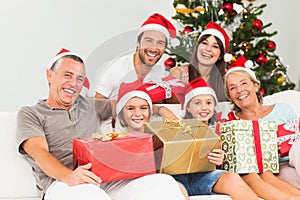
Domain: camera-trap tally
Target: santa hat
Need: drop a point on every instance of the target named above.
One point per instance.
(65, 52)
(241, 64)
(196, 87)
(212, 28)
(130, 90)
(158, 22)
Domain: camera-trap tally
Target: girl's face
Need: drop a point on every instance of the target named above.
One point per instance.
(202, 107)
(208, 51)
(241, 89)
(136, 112)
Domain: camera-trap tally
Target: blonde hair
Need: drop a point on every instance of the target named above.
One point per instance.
(254, 80)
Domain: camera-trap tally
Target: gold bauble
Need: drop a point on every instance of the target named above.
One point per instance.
(280, 79)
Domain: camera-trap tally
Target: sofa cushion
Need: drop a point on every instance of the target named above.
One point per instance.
(16, 174)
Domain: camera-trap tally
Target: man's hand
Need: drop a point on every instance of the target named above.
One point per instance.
(82, 174)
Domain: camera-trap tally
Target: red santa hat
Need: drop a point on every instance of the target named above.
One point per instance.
(158, 22)
(241, 64)
(196, 87)
(65, 52)
(130, 90)
(212, 28)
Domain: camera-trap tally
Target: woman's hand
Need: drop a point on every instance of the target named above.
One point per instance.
(216, 156)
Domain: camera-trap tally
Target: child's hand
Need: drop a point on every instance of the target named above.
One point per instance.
(216, 156)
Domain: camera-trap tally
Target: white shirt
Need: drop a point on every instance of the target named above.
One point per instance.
(122, 70)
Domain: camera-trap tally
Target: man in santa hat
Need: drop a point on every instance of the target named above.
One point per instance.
(45, 132)
(153, 37)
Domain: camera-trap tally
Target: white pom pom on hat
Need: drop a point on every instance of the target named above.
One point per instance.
(212, 28)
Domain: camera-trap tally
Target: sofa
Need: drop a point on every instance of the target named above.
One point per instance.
(17, 181)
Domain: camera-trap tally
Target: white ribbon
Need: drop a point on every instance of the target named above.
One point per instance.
(293, 126)
(166, 85)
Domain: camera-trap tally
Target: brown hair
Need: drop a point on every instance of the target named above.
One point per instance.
(217, 72)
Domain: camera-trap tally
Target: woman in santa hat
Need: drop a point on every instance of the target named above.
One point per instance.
(208, 59)
(243, 90)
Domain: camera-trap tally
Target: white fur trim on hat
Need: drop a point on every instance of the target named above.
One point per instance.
(197, 91)
(155, 27)
(216, 33)
(56, 58)
(136, 93)
(248, 70)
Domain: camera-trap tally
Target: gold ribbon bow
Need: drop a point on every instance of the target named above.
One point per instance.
(108, 136)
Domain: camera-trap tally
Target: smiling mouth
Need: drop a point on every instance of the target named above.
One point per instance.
(205, 55)
(69, 91)
(137, 120)
(203, 114)
(242, 97)
(151, 54)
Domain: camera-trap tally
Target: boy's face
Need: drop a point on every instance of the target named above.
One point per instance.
(202, 107)
(136, 112)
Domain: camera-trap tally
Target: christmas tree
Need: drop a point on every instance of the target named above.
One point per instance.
(247, 33)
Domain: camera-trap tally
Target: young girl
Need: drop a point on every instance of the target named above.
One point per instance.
(200, 101)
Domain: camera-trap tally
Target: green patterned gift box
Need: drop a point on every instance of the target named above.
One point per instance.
(250, 146)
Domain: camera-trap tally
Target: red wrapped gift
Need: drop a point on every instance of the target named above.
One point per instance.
(120, 158)
(287, 134)
(164, 88)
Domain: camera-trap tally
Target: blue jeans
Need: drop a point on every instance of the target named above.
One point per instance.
(200, 183)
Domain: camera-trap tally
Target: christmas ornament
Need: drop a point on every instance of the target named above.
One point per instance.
(261, 59)
(228, 7)
(169, 63)
(271, 45)
(262, 91)
(281, 79)
(257, 24)
(188, 29)
(180, 8)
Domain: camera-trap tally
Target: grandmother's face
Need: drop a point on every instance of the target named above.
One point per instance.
(241, 89)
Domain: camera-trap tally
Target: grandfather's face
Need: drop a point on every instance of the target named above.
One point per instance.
(65, 83)
(151, 47)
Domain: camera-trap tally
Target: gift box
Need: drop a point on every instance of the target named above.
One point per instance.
(116, 158)
(287, 134)
(164, 88)
(250, 146)
(182, 146)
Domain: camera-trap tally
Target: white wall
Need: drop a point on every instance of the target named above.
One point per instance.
(33, 31)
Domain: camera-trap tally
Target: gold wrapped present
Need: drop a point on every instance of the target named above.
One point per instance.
(181, 146)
